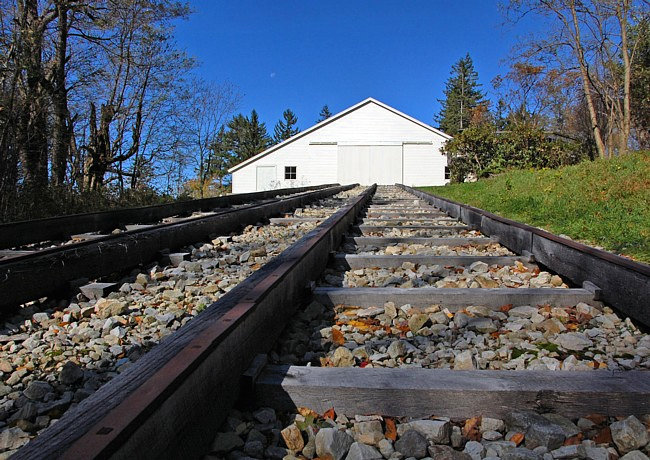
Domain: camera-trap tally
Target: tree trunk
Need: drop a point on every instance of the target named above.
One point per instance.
(598, 137)
(61, 131)
(621, 13)
(32, 130)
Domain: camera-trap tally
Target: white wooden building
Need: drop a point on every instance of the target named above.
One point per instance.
(367, 143)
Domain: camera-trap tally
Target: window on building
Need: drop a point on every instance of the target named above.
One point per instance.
(290, 172)
(447, 173)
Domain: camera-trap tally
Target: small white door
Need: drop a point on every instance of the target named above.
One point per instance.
(266, 178)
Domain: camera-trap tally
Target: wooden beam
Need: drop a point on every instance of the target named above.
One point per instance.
(294, 220)
(378, 228)
(387, 241)
(396, 221)
(453, 298)
(419, 393)
(354, 261)
(405, 215)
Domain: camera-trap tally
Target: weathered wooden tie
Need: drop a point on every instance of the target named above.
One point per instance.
(421, 393)
(354, 261)
(453, 298)
(380, 241)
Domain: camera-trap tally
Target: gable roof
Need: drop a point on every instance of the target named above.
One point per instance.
(331, 119)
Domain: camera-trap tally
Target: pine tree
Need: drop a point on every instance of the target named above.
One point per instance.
(247, 137)
(324, 114)
(285, 129)
(462, 94)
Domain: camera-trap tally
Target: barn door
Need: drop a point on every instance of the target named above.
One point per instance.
(266, 178)
(385, 164)
(370, 164)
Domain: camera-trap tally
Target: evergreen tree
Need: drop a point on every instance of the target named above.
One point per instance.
(462, 94)
(324, 114)
(285, 129)
(246, 137)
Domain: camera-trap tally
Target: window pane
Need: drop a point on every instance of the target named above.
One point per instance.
(290, 172)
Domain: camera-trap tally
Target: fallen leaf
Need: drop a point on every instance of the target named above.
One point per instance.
(471, 429)
(517, 438)
(363, 364)
(330, 414)
(391, 429)
(574, 440)
(337, 337)
(604, 436)
(306, 412)
(505, 308)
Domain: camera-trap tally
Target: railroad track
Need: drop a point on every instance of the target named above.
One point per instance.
(58, 266)
(391, 331)
(19, 238)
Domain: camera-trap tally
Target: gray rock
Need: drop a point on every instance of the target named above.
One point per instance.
(474, 449)
(492, 424)
(368, 432)
(456, 438)
(575, 341)
(596, 453)
(28, 412)
(464, 361)
(629, 434)
(333, 442)
(37, 390)
(265, 415)
(70, 373)
(634, 455)
(412, 444)
(447, 453)
(360, 451)
(13, 438)
(570, 429)
(386, 447)
(566, 452)
(275, 452)
(491, 435)
(226, 442)
(539, 431)
(436, 431)
(521, 453)
(254, 448)
(396, 349)
(498, 448)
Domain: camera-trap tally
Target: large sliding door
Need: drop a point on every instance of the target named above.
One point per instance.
(369, 164)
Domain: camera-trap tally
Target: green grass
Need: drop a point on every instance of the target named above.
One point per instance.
(602, 203)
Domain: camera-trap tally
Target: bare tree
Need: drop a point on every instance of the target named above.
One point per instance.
(208, 108)
(590, 37)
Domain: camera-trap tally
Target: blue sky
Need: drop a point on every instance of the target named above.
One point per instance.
(304, 54)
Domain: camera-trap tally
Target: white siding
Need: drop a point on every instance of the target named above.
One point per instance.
(423, 165)
(315, 154)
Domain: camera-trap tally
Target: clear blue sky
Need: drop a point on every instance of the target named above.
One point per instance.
(304, 54)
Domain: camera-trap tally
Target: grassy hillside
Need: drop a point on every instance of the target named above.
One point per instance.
(603, 203)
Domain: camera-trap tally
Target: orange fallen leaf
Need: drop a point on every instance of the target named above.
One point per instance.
(306, 412)
(391, 429)
(604, 436)
(471, 429)
(330, 414)
(574, 440)
(517, 438)
(505, 308)
(337, 337)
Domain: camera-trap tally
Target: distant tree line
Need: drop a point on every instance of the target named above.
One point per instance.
(581, 89)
